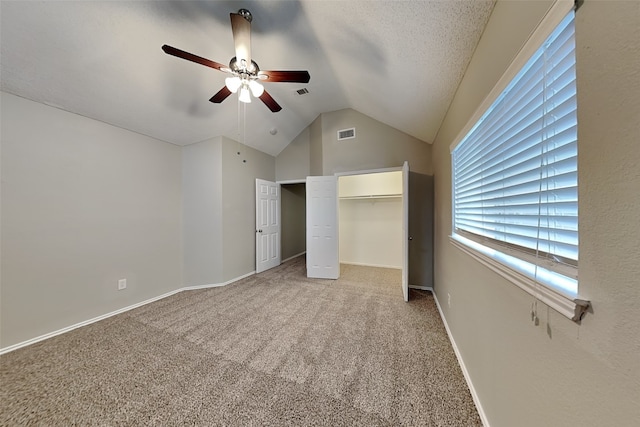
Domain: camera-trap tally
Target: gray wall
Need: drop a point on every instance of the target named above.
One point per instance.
(239, 173)
(558, 373)
(421, 229)
(316, 150)
(294, 162)
(294, 214)
(219, 209)
(83, 205)
(202, 212)
(375, 146)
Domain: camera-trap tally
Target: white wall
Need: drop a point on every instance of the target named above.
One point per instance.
(371, 232)
(370, 184)
(558, 373)
(84, 204)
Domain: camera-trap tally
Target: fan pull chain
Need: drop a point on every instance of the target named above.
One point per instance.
(543, 170)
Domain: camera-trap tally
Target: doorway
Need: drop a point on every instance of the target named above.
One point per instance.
(294, 220)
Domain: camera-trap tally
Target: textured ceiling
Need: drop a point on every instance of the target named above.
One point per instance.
(399, 62)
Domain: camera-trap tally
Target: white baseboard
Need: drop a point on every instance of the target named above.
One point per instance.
(364, 264)
(113, 313)
(467, 377)
(292, 257)
(84, 323)
(217, 285)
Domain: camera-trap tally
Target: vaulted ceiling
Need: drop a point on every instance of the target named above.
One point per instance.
(399, 62)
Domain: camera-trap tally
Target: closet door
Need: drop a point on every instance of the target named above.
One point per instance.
(405, 231)
(420, 230)
(322, 227)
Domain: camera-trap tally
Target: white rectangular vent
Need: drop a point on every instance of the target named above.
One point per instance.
(302, 91)
(346, 134)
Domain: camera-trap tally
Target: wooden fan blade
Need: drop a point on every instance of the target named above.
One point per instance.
(221, 95)
(285, 76)
(193, 58)
(270, 102)
(241, 29)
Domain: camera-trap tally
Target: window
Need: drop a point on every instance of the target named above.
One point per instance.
(515, 173)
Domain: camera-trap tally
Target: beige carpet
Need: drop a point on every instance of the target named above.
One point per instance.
(273, 349)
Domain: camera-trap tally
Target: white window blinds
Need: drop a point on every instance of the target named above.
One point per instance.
(515, 183)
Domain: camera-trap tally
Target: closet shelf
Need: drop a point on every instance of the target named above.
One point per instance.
(372, 196)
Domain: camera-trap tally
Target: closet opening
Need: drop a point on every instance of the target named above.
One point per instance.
(384, 219)
(370, 219)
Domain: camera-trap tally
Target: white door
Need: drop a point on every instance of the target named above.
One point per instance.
(267, 225)
(405, 231)
(322, 227)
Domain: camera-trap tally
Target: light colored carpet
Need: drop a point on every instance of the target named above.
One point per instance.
(273, 349)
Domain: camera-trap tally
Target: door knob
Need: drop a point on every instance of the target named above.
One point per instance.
(410, 238)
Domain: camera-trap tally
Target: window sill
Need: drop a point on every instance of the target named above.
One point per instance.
(568, 306)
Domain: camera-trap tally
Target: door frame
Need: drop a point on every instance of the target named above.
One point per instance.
(293, 181)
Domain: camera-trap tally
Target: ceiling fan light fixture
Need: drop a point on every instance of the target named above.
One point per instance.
(233, 83)
(244, 94)
(256, 88)
(245, 71)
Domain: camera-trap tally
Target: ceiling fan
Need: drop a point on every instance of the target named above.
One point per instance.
(246, 75)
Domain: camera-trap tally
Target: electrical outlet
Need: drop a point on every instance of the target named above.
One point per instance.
(122, 284)
(448, 299)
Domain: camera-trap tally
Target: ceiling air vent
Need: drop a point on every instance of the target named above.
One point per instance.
(346, 134)
(302, 91)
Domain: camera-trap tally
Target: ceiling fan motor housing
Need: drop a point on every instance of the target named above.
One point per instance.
(242, 68)
(245, 14)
